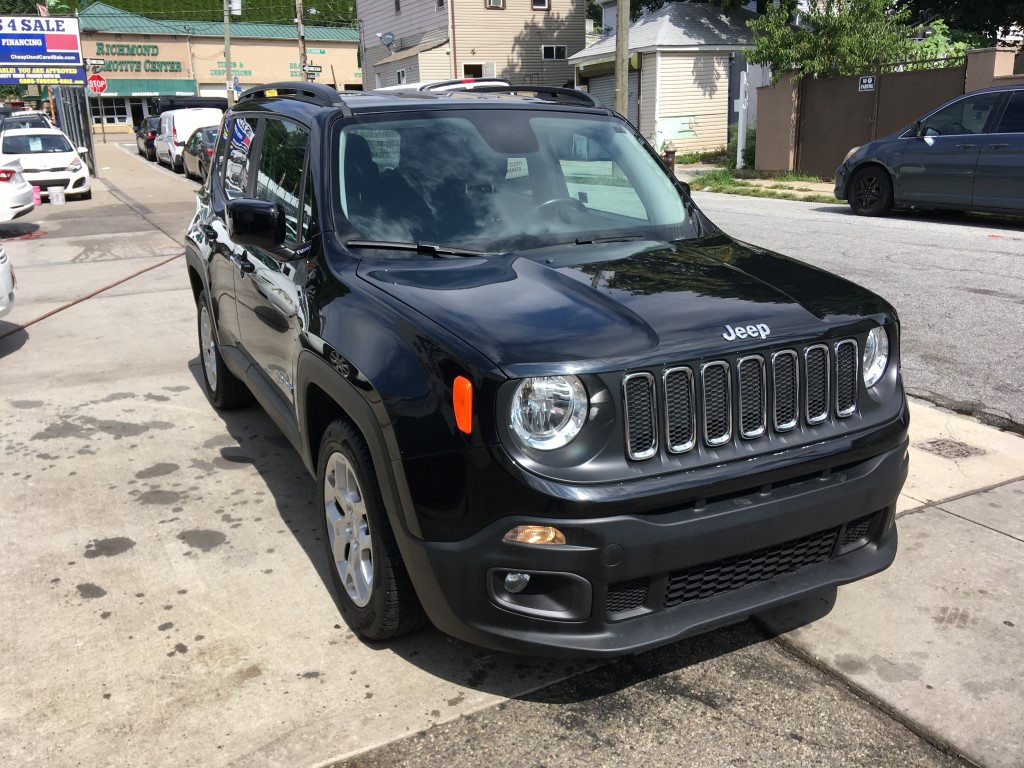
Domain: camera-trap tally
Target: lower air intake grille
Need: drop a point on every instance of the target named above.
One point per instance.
(856, 530)
(627, 595)
(731, 573)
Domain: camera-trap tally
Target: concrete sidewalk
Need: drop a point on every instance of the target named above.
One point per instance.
(690, 172)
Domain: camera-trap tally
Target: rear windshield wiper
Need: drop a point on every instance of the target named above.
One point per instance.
(619, 239)
(431, 249)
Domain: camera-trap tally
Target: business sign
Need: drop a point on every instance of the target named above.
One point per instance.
(40, 50)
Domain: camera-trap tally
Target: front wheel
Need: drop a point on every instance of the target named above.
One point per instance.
(223, 389)
(871, 192)
(375, 593)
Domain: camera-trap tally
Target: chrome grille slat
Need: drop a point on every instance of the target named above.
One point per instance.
(680, 410)
(716, 388)
(816, 383)
(785, 390)
(846, 378)
(641, 419)
(752, 396)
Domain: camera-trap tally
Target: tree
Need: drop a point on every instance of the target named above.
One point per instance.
(835, 37)
(978, 17)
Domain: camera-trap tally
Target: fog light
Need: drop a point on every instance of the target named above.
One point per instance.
(535, 534)
(516, 582)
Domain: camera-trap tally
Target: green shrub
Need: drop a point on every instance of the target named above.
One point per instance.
(748, 150)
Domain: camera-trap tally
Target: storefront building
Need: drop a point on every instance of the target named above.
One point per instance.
(149, 57)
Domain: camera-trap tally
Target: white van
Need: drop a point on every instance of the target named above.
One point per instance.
(176, 125)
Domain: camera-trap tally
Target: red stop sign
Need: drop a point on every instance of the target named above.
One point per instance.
(96, 83)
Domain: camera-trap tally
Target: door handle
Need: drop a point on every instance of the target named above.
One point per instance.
(245, 266)
(966, 146)
(998, 146)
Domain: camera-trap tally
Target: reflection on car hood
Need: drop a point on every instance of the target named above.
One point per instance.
(589, 306)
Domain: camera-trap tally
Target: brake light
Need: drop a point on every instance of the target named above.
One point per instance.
(209, 151)
(174, 135)
(6, 174)
(150, 135)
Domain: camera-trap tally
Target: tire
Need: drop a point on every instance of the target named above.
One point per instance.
(374, 592)
(870, 191)
(223, 389)
(177, 167)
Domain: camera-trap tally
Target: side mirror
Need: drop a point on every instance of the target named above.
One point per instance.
(83, 150)
(686, 188)
(915, 129)
(257, 224)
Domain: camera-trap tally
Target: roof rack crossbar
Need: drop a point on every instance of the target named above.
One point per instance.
(475, 82)
(314, 93)
(545, 90)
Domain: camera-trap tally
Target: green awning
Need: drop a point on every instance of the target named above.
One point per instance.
(127, 86)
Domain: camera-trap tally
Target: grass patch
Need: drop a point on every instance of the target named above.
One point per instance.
(724, 181)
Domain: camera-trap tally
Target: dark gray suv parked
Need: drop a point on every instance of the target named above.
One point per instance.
(966, 155)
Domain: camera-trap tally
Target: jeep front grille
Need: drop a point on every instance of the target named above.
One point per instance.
(759, 393)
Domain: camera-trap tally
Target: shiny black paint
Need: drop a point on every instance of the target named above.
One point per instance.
(378, 337)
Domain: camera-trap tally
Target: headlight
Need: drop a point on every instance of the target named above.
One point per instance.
(549, 411)
(875, 357)
(76, 166)
(850, 154)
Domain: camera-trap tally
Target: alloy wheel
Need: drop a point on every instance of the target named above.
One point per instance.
(348, 529)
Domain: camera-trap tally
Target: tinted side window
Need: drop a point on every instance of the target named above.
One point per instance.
(279, 176)
(966, 116)
(1013, 118)
(236, 171)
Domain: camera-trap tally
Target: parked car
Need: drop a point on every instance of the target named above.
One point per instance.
(8, 281)
(32, 119)
(15, 192)
(145, 135)
(966, 155)
(47, 160)
(176, 126)
(547, 403)
(198, 151)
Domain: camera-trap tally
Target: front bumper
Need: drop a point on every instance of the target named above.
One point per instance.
(842, 177)
(73, 183)
(627, 583)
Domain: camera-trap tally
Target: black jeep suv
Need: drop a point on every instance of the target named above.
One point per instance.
(549, 406)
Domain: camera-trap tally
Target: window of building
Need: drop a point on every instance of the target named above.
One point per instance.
(440, 5)
(279, 172)
(398, 7)
(400, 74)
(553, 52)
(540, 5)
(113, 111)
(496, 5)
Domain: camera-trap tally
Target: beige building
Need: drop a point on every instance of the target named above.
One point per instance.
(144, 58)
(525, 41)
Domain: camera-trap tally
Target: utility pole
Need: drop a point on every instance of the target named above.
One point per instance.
(302, 37)
(622, 57)
(228, 80)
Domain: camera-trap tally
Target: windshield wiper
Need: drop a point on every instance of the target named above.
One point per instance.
(619, 239)
(431, 249)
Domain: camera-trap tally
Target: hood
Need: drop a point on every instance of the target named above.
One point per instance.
(605, 306)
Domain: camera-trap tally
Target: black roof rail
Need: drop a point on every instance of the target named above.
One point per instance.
(314, 93)
(551, 92)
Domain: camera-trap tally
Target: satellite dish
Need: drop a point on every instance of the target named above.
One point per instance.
(387, 38)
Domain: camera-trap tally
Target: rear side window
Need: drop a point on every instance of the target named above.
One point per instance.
(240, 133)
(1013, 118)
(279, 175)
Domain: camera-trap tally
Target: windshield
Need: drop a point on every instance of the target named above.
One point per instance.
(35, 144)
(500, 180)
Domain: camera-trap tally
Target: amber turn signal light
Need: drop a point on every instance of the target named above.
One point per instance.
(535, 534)
(462, 401)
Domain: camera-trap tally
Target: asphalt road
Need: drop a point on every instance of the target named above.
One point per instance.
(956, 281)
(165, 581)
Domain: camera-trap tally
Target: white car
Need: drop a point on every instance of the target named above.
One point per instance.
(47, 160)
(7, 283)
(461, 84)
(15, 192)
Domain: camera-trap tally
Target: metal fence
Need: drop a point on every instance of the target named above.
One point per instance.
(74, 118)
